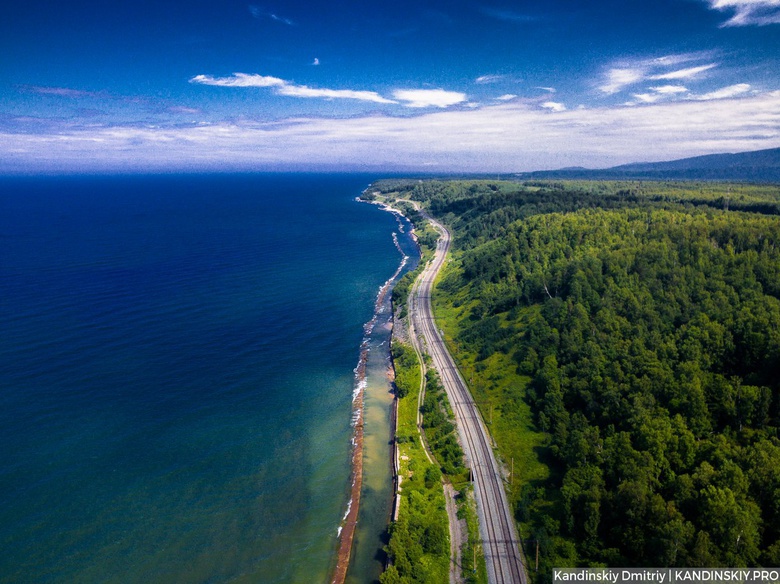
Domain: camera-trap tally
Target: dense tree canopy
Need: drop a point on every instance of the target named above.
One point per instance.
(647, 317)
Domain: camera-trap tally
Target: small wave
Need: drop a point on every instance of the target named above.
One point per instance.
(349, 508)
(343, 519)
(360, 386)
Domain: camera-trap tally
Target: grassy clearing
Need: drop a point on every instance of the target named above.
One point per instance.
(419, 541)
(499, 392)
(474, 568)
(417, 548)
(419, 545)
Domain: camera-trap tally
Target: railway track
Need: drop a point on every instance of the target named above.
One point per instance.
(500, 541)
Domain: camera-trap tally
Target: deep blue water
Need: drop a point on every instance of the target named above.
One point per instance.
(176, 373)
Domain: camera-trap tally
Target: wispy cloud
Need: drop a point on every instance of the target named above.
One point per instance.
(748, 12)
(413, 98)
(61, 91)
(180, 109)
(508, 15)
(507, 97)
(507, 137)
(259, 13)
(486, 79)
(239, 80)
(726, 92)
(101, 96)
(627, 73)
(282, 87)
(656, 94)
(670, 89)
(618, 78)
(644, 98)
(306, 91)
(689, 73)
(419, 98)
(677, 59)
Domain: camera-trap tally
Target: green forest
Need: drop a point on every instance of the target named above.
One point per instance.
(637, 327)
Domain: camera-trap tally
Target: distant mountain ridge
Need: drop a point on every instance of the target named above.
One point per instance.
(756, 166)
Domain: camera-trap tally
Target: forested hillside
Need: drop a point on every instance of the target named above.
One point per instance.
(756, 166)
(641, 322)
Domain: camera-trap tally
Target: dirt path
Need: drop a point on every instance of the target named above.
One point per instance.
(457, 532)
(501, 543)
(457, 528)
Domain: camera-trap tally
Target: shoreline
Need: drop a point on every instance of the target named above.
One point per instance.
(349, 522)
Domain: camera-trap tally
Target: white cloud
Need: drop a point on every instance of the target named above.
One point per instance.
(670, 89)
(429, 97)
(506, 97)
(646, 98)
(286, 88)
(485, 79)
(547, 89)
(239, 80)
(657, 94)
(415, 98)
(748, 12)
(315, 62)
(305, 91)
(554, 106)
(621, 77)
(726, 92)
(632, 72)
(680, 58)
(508, 137)
(689, 73)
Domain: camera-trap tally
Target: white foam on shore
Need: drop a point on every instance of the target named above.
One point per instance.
(359, 387)
(349, 508)
(380, 308)
(361, 381)
(340, 528)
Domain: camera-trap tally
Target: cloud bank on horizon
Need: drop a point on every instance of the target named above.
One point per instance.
(434, 86)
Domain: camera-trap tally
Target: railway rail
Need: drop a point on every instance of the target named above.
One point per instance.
(498, 532)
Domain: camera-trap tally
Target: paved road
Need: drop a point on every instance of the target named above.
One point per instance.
(496, 526)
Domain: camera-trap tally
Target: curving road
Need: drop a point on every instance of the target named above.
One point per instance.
(497, 529)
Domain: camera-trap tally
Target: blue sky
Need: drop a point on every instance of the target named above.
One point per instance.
(439, 86)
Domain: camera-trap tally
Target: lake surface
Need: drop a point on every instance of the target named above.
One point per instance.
(177, 364)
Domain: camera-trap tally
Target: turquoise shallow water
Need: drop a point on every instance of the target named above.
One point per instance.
(368, 556)
(176, 373)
